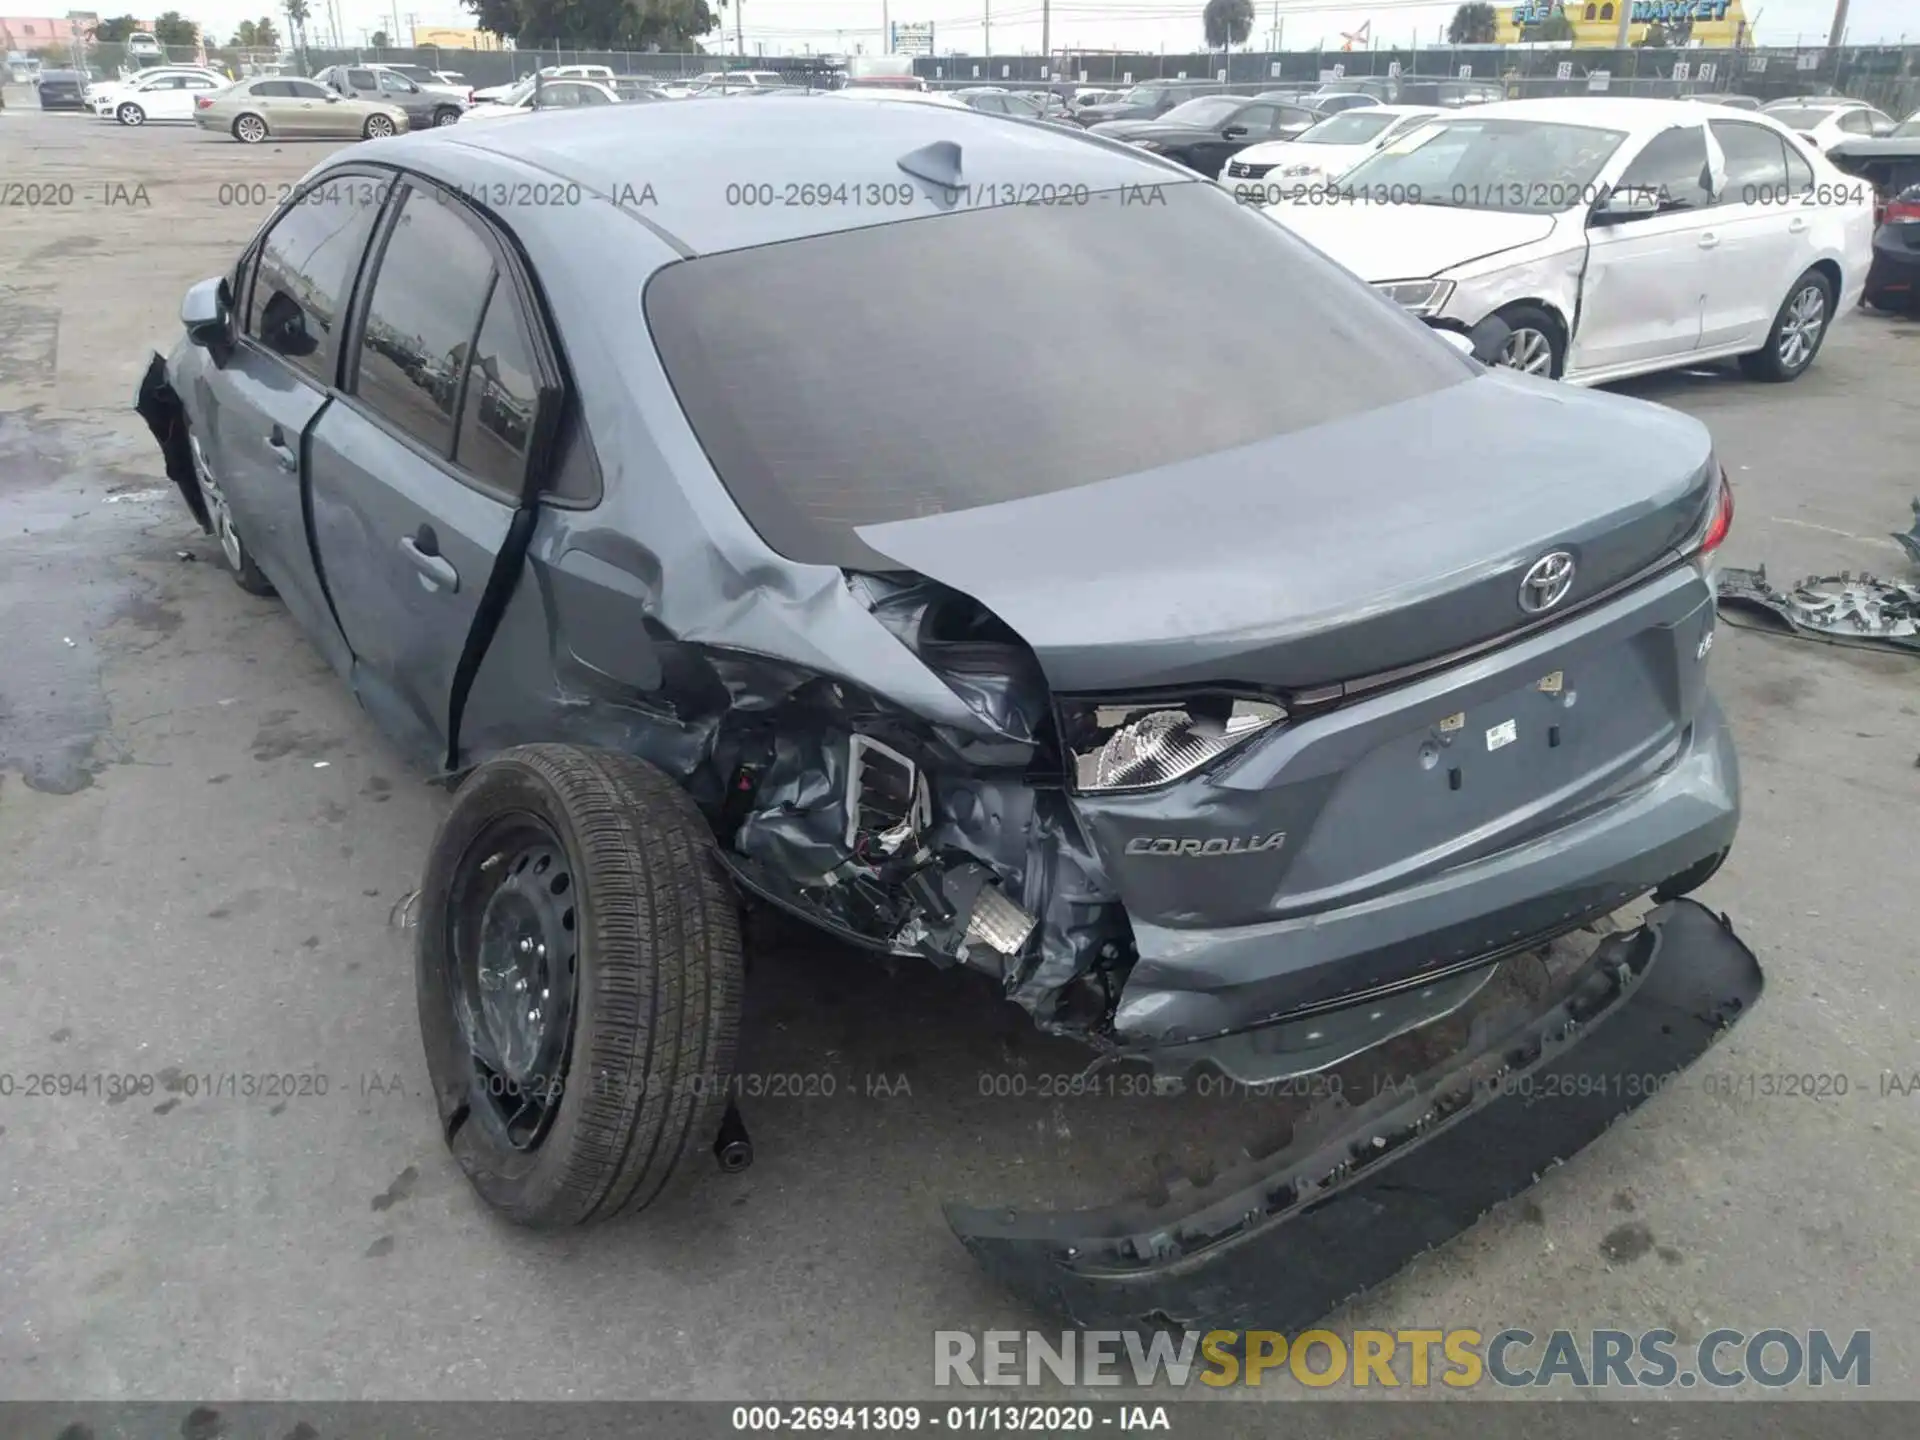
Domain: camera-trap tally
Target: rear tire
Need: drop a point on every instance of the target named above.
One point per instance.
(250, 129)
(378, 127)
(1537, 346)
(555, 853)
(1798, 330)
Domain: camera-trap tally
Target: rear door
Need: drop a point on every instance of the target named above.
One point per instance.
(301, 107)
(1761, 228)
(254, 414)
(417, 469)
(1645, 287)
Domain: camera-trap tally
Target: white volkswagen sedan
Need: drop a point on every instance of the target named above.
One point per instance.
(1611, 236)
(1329, 149)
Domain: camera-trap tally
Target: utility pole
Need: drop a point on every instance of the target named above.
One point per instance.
(393, 13)
(1046, 32)
(1839, 31)
(886, 29)
(1626, 21)
(739, 34)
(986, 47)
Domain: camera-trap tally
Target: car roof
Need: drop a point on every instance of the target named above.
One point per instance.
(680, 147)
(1617, 112)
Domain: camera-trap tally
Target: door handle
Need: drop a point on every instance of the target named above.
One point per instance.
(1709, 240)
(282, 452)
(436, 571)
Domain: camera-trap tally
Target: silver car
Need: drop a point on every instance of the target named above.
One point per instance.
(287, 107)
(1237, 705)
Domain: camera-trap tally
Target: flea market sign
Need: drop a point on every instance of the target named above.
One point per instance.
(1645, 12)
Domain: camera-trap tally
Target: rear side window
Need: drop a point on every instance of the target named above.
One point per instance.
(496, 419)
(435, 275)
(1799, 172)
(303, 89)
(270, 88)
(1756, 163)
(306, 267)
(821, 415)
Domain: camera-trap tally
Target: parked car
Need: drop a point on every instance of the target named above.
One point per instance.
(103, 96)
(729, 82)
(601, 73)
(1613, 236)
(162, 97)
(547, 95)
(1732, 102)
(425, 108)
(1891, 164)
(1204, 134)
(1145, 102)
(1328, 149)
(693, 616)
(287, 107)
(1825, 122)
(1332, 102)
(437, 81)
(994, 100)
(62, 90)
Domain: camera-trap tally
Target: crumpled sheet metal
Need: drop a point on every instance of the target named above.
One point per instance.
(1909, 540)
(1844, 609)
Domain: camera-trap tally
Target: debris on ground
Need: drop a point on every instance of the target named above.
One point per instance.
(1910, 539)
(1844, 609)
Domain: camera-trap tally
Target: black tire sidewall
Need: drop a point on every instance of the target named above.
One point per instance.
(1532, 317)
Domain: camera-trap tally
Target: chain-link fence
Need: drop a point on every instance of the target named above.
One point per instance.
(1887, 76)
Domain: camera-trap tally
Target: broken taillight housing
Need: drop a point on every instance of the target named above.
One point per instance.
(1120, 747)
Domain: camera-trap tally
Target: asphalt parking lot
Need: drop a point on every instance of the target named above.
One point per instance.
(203, 842)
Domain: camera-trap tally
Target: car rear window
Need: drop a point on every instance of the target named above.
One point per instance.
(1800, 117)
(940, 364)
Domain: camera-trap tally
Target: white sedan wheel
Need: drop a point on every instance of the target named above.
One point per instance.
(130, 114)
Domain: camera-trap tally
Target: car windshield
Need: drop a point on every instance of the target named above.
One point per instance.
(1145, 95)
(1207, 110)
(821, 418)
(520, 93)
(1802, 117)
(1354, 127)
(1519, 166)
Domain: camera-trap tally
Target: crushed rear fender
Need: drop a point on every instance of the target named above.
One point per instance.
(166, 417)
(1280, 1243)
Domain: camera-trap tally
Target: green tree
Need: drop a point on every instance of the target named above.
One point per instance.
(265, 34)
(379, 40)
(173, 28)
(1555, 27)
(244, 36)
(297, 17)
(115, 31)
(1472, 24)
(1654, 37)
(1227, 22)
(597, 24)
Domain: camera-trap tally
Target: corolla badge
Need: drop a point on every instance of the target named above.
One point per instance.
(1207, 849)
(1546, 582)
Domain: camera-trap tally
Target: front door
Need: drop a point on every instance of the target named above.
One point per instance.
(1647, 274)
(256, 412)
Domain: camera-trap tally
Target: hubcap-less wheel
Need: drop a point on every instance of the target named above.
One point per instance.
(1529, 351)
(377, 126)
(132, 115)
(251, 129)
(1800, 331)
(512, 936)
(217, 509)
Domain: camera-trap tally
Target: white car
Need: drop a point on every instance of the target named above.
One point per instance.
(161, 97)
(101, 95)
(724, 82)
(1612, 236)
(1330, 148)
(523, 99)
(494, 93)
(1826, 121)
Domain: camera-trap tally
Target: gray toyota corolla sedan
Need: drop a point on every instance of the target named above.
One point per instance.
(736, 528)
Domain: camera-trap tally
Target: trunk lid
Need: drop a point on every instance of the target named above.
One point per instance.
(1381, 540)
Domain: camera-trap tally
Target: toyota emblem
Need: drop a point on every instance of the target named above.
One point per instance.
(1546, 582)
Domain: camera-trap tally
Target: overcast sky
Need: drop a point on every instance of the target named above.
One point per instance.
(825, 25)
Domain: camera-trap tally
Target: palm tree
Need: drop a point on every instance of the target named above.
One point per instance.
(1227, 22)
(1473, 24)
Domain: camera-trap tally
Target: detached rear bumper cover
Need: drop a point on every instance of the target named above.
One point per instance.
(1344, 1209)
(158, 405)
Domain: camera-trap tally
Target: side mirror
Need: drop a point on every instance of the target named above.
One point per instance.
(1626, 204)
(207, 314)
(1234, 132)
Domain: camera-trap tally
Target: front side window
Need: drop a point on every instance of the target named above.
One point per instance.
(1856, 122)
(398, 85)
(360, 79)
(1673, 168)
(306, 267)
(435, 274)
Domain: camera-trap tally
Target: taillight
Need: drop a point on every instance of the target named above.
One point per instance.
(1719, 519)
(470, 97)
(1904, 206)
(201, 102)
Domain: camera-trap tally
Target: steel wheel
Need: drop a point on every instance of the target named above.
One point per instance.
(512, 934)
(1529, 351)
(378, 126)
(131, 114)
(1806, 317)
(250, 129)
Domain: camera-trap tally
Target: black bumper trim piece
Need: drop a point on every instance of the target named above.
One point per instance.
(1407, 1170)
(158, 405)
